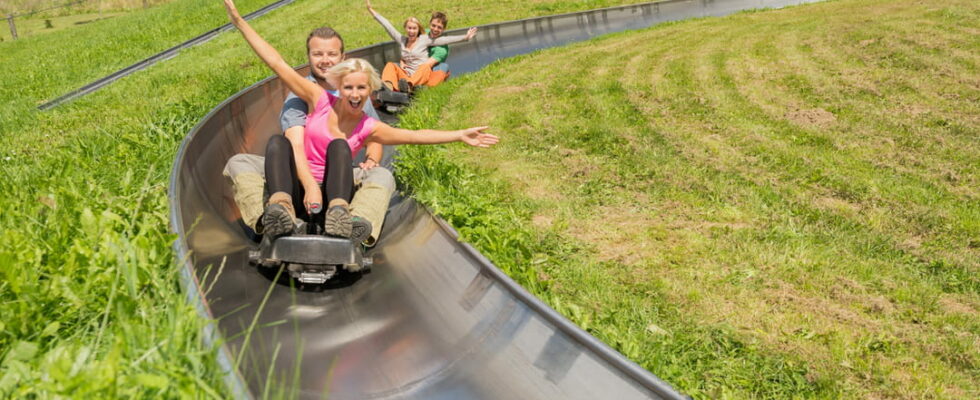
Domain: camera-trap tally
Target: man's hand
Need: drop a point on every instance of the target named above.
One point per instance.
(368, 164)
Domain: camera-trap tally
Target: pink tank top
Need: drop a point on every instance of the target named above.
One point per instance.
(317, 135)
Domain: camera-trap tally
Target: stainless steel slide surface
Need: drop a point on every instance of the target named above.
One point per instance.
(433, 319)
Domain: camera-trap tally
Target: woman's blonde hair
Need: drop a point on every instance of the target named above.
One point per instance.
(337, 73)
(417, 23)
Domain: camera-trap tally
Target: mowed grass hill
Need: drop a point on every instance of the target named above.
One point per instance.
(776, 204)
(90, 302)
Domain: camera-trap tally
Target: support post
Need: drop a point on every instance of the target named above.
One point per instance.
(13, 28)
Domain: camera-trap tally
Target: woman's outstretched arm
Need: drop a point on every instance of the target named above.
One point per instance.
(392, 31)
(306, 90)
(386, 134)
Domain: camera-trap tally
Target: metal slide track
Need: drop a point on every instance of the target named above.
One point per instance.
(433, 319)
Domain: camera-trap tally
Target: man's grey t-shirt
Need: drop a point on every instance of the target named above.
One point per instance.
(294, 110)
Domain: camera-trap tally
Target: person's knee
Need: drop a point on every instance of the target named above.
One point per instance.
(278, 144)
(244, 163)
(442, 67)
(337, 147)
(379, 176)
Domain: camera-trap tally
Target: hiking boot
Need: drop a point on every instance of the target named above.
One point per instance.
(338, 222)
(404, 86)
(360, 230)
(301, 227)
(277, 220)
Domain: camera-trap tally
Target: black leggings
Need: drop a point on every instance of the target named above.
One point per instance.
(280, 174)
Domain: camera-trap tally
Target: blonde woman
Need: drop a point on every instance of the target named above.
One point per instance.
(318, 164)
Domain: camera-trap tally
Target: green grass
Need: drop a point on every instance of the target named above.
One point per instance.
(56, 8)
(90, 304)
(30, 20)
(778, 204)
(27, 27)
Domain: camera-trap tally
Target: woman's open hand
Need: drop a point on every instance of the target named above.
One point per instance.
(232, 10)
(470, 33)
(477, 138)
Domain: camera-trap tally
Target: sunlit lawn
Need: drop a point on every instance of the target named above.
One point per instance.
(776, 204)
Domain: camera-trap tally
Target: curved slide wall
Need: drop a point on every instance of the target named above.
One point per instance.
(433, 319)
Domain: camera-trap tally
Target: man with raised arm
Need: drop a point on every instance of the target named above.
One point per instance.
(325, 48)
(437, 54)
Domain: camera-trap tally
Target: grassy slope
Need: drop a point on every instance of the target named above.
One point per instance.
(22, 7)
(88, 286)
(63, 17)
(41, 68)
(38, 26)
(775, 204)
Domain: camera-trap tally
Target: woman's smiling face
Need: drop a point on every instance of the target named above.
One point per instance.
(412, 29)
(355, 88)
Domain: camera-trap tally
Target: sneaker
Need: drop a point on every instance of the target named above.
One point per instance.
(360, 230)
(338, 222)
(276, 221)
(404, 86)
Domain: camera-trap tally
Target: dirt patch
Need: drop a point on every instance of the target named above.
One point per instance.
(837, 205)
(786, 298)
(848, 291)
(542, 221)
(505, 90)
(577, 164)
(709, 225)
(811, 117)
(525, 178)
(951, 305)
(879, 304)
(867, 42)
(912, 243)
(617, 233)
(915, 110)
